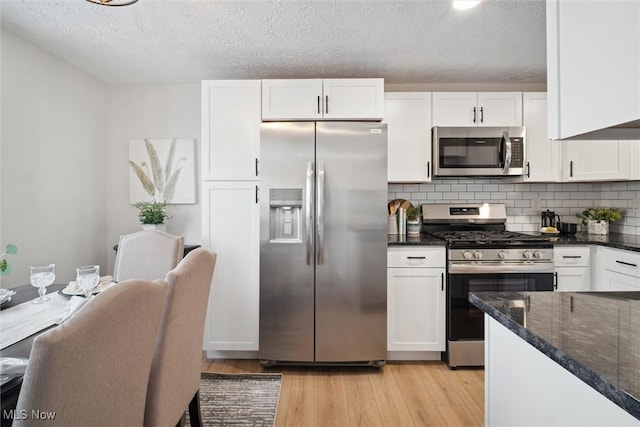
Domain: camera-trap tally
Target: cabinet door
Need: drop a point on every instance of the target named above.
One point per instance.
(634, 149)
(292, 99)
(230, 129)
(593, 63)
(415, 309)
(230, 219)
(408, 118)
(353, 99)
(499, 109)
(614, 281)
(596, 160)
(455, 109)
(544, 157)
(573, 279)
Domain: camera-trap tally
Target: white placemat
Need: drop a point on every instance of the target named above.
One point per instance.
(23, 320)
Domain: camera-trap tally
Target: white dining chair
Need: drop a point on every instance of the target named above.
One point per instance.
(93, 370)
(174, 380)
(147, 255)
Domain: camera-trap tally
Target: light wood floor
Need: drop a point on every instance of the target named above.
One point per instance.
(400, 394)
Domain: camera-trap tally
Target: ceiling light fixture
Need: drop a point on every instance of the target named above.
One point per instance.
(113, 2)
(465, 4)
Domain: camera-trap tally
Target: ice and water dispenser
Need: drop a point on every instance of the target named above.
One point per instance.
(285, 215)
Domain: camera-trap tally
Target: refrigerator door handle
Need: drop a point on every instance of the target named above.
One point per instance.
(308, 209)
(320, 211)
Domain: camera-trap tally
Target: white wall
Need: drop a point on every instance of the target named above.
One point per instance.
(148, 111)
(53, 165)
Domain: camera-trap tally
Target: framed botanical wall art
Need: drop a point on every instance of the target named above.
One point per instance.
(162, 170)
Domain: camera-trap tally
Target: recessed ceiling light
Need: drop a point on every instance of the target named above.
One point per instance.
(465, 4)
(113, 2)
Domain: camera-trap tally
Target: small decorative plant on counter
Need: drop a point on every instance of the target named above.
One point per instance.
(152, 214)
(597, 219)
(413, 220)
(5, 267)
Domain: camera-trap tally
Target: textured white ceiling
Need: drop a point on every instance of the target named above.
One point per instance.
(185, 41)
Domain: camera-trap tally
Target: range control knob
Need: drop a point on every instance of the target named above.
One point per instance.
(537, 254)
(502, 254)
(477, 255)
(527, 254)
(466, 255)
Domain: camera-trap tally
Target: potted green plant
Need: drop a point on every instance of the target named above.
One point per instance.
(152, 214)
(5, 267)
(413, 220)
(597, 219)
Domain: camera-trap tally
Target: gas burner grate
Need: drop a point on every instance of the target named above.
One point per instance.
(488, 237)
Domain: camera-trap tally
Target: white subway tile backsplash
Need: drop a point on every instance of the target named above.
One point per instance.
(565, 199)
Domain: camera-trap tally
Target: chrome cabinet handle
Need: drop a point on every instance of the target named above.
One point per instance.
(571, 256)
(318, 104)
(481, 114)
(326, 104)
(571, 168)
(257, 199)
(442, 281)
(428, 169)
(256, 166)
(320, 211)
(308, 216)
(474, 114)
(416, 257)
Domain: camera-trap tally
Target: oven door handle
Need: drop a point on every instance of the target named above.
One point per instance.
(499, 267)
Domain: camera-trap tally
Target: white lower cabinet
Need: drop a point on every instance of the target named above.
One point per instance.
(416, 299)
(572, 268)
(230, 223)
(617, 270)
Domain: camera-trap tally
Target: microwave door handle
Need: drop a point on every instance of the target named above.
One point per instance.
(507, 152)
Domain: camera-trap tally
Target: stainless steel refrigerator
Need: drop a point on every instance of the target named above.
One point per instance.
(323, 243)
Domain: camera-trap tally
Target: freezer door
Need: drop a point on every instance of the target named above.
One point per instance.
(351, 241)
(286, 241)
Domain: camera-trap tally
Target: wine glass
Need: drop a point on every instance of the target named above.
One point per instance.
(88, 277)
(41, 277)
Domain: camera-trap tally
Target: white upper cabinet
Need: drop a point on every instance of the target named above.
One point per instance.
(593, 65)
(408, 119)
(230, 129)
(318, 99)
(477, 109)
(634, 149)
(544, 157)
(596, 160)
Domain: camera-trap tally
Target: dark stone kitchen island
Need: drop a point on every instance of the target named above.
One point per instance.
(561, 358)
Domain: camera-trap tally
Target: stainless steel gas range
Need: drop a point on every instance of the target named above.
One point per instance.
(483, 256)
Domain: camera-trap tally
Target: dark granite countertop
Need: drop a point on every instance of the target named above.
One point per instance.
(594, 335)
(628, 242)
(414, 240)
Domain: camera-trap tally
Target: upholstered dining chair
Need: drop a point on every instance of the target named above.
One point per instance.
(174, 380)
(147, 255)
(93, 370)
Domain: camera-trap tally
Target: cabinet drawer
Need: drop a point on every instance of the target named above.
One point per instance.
(416, 257)
(625, 262)
(575, 256)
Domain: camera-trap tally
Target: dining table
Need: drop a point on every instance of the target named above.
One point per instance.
(22, 348)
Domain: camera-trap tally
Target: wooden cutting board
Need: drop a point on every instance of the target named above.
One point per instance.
(398, 203)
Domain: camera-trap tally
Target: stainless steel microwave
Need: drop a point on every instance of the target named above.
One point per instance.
(478, 151)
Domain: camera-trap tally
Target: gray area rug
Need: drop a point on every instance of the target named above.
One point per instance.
(239, 399)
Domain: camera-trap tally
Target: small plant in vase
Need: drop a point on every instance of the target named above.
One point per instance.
(5, 267)
(597, 219)
(152, 214)
(413, 220)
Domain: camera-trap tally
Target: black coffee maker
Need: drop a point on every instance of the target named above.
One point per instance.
(549, 218)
